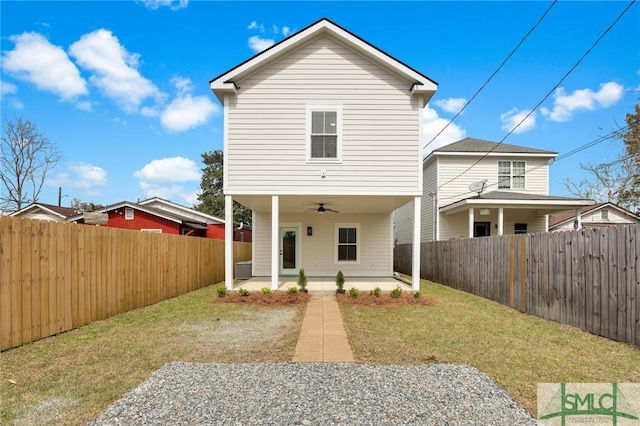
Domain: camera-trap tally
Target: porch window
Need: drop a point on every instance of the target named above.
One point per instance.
(519, 228)
(347, 239)
(511, 174)
(324, 132)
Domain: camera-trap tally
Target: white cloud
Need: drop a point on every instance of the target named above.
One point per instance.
(187, 112)
(84, 106)
(115, 69)
(48, 67)
(7, 88)
(150, 111)
(451, 105)
(433, 124)
(176, 193)
(258, 44)
(80, 175)
(286, 31)
(582, 99)
(514, 116)
(183, 84)
(255, 26)
(172, 4)
(174, 169)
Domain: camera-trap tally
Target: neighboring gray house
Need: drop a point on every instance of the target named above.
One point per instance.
(506, 192)
(322, 141)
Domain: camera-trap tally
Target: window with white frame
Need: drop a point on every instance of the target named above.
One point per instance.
(511, 174)
(605, 214)
(347, 236)
(128, 213)
(323, 123)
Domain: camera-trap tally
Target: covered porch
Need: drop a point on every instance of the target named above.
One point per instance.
(502, 212)
(322, 234)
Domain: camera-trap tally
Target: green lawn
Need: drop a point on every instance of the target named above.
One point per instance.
(518, 351)
(73, 377)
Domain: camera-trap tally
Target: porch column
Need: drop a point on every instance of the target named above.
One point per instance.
(228, 242)
(578, 221)
(471, 220)
(275, 240)
(415, 273)
(500, 221)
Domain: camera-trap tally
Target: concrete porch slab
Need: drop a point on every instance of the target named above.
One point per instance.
(323, 286)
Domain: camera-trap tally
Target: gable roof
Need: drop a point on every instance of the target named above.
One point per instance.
(61, 212)
(560, 218)
(225, 82)
(157, 200)
(472, 145)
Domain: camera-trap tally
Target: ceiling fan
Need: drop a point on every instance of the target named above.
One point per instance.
(322, 209)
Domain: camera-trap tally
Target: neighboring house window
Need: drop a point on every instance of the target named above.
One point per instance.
(128, 213)
(605, 214)
(511, 174)
(520, 228)
(347, 242)
(324, 132)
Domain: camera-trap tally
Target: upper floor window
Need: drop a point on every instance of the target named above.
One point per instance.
(605, 214)
(324, 130)
(511, 174)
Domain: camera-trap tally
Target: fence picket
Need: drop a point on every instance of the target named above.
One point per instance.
(588, 278)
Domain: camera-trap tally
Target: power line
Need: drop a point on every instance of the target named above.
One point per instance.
(547, 95)
(494, 73)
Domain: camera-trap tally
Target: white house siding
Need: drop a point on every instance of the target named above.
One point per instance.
(42, 215)
(536, 177)
(403, 224)
(318, 250)
(595, 219)
(266, 151)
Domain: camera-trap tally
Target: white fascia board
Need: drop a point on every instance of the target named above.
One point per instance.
(185, 209)
(488, 203)
(494, 154)
(35, 207)
(325, 193)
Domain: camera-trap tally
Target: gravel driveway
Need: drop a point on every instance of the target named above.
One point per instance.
(316, 394)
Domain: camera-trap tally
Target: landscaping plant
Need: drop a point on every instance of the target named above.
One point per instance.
(221, 291)
(292, 290)
(340, 282)
(353, 292)
(243, 292)
(376, 292)
(302, 280)
(266, 291)
(396, 292)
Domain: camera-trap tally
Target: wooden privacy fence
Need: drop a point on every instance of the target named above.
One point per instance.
(57, 276)
(588, 278)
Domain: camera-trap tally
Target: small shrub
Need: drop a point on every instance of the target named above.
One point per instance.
(340, 281)
(266, 291)
(353, 292)
(376, 292)
(243, 292)
(222, 291)
(396, 292)
(292, 290)
(302, 280)
(416, 294)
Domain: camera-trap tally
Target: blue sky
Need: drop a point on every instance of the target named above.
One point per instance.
(122, 88)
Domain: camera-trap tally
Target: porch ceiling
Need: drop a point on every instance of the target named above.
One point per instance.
(341, 203)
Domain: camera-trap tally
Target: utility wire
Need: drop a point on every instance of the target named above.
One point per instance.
(494, 73)
(547, 95)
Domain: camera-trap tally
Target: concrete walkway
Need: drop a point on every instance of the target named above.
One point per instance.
(323, 337)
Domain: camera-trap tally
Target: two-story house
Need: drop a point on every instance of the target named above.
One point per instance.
(476, 188)
(322, 141)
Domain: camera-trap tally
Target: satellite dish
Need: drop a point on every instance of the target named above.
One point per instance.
(478, 186)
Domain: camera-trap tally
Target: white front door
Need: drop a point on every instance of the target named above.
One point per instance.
(289, 251)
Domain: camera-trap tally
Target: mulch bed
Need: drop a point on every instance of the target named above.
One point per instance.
(282, 298)
(276, 298)
(385, 299)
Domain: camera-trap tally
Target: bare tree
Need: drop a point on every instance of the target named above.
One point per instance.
(26, 158)
(618, 181)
